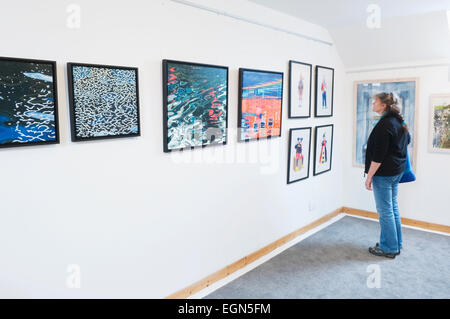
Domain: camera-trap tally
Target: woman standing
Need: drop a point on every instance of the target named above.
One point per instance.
(385, 163)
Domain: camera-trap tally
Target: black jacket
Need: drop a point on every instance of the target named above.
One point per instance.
(387, 145)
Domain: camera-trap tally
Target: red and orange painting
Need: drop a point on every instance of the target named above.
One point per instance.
(261, 102)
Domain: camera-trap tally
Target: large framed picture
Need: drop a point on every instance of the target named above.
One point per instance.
(299, 154)
(260, 104)
(323, 146)
(300, 75)
(195, 105)
(439, 134)
(324, 91)
(405, 90)
(103, 100)
(28, 102)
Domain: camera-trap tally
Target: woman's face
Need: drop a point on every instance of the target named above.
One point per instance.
(378, 107)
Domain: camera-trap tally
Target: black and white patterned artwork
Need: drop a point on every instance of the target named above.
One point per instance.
(104, 101)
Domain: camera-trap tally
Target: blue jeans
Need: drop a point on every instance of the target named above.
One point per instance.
(385, 190)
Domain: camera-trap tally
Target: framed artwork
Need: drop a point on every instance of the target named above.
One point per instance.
(300, 75)
(439, 123)
(195, 100)
(103, 100)
(260, 104)
(28, 102)
(324, 91)
(365, 119)
(298, 154)
(323, 141)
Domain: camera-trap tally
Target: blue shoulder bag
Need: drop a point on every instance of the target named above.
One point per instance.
(408, 174)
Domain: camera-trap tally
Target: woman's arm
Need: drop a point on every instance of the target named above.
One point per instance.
(373, 168)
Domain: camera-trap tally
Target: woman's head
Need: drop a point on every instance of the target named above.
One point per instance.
(387, 103)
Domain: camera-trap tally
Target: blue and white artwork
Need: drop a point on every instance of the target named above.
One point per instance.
(104, 101)
(366, 119)
(27, 102)
(195, 105)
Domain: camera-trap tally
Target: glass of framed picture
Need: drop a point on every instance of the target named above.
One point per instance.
(405, 89)
(300, 75)
(195, 98)
(299, 154)
(28, 102)
(104, 101)
(323, 148)
(260, 104)
(324, 91)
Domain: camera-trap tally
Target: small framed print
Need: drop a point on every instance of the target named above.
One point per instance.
(299, 154)
(300, 75)
(324, 91)
(323, 148)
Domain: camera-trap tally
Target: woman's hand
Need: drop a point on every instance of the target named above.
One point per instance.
(369, 183)
(373, 168)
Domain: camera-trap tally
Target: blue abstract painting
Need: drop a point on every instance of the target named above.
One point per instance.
(196, 105)
(366, 119)
(105, 101)
(27, 102)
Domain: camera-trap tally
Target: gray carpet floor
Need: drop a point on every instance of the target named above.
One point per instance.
(333, 263)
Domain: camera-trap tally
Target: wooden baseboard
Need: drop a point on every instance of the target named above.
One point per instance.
(405, 221)
(241, 263)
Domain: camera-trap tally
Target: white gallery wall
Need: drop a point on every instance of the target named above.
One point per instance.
(426, 199)
(139, 222)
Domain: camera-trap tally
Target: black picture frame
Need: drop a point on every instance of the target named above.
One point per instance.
(315, 148)
(318, 67)
(291, 62)
(73, 122)
(165, 65)
(239, 119)
(55, 101)
(289, 154)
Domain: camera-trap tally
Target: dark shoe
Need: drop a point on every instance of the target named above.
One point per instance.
(377, 245)
(378, 252)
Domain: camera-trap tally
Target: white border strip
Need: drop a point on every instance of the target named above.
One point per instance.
(300, 35)
(206, 291)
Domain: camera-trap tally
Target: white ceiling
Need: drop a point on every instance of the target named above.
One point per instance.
(410, 30)
(335, 13)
